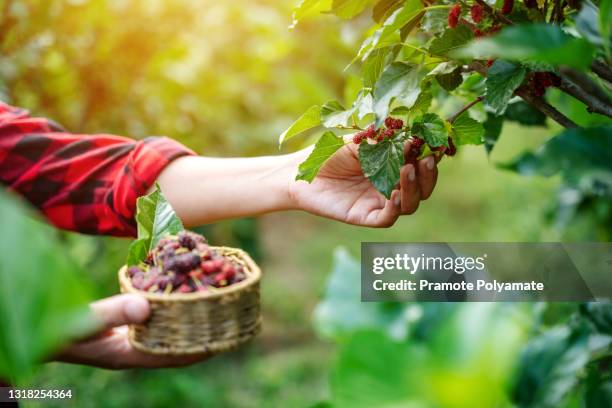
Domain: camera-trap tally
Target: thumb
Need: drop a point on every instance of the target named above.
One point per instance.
(121, 309)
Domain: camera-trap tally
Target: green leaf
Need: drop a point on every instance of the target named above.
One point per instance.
(432, 129)
(309, 7)
(525, 114)
(348, 8)
(451, 80)
(600, 314)
(451, 40)
(399, 18)
(549, 366)
(423, 102)
(502, 80)
(399, 81)
(43, 293)
(333, 114)
(309, 119)
(383, 8)
(342, 312)
(381, 164)
(467, 131)
(375, 371)
(435, 21)
(534, 42)
(325, 148)
(492, 128)
(583, 156)
(373, 66)
(155, 218)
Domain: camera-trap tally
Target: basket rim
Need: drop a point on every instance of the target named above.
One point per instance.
(252, 271)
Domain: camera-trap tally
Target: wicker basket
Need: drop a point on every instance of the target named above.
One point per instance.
(200, 322)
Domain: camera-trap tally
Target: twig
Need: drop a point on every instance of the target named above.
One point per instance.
(602, 70)
(535, 101)
(585, 90)
(494, 12)
(465, 108)
(546, 108)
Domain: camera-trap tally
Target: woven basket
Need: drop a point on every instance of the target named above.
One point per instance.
(200, 322)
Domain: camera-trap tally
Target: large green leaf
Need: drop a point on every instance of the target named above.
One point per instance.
(492, 129)
(467, 131)
(399, 81)
(309, 7)
(549, 366)
(583, 156)
(325, 147)
(545, 43)
(381, 163)
(525, 114)
(383, 8)
(155, 218)
(432, 129)
(342, 312)
(502, 80)
(373, 66)
(412, 10)
(451, 40)
(435, 21)
(348, 8)
(43, 294)
(309, 119)
(333, 114)
(600, 314)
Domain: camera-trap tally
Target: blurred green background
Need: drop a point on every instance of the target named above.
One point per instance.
(225, 78)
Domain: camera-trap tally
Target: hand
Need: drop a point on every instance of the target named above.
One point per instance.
(110, 348)
(341, 191)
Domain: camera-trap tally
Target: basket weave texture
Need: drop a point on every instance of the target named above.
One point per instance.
(200, 322)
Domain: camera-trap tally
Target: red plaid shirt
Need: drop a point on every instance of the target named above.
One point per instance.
(85, 183)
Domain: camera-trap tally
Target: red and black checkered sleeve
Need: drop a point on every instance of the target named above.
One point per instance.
(85, 183)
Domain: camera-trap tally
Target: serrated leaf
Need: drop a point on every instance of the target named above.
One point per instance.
(325, 148)
(435, 21)
(308, 7)
(534, 42)
(432, 129)
(381, 164)
(451, 80)
(581, 155)
(333, 114)
(399, 81)
(391, 27)
(492, 127)
(348, 8)
(155, 218)
(373, 66)
(309, 119)
(364, 105)
(502, 80)
(525, 114)
(467, 131)
(423, 102)
(451, 40)
(383, 8)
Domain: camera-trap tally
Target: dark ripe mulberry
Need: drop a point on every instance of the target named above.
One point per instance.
(182, 263)
(477, 32)
(507, 6)
(392, 123)
(531, 3)
(477, 12)
(416, 145)
(453, 15)
(358, 137)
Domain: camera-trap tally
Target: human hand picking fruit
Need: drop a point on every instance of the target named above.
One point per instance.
(341, 191)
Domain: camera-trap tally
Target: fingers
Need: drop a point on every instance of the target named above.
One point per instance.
(121, 309)
(409, 189)
(390, 212)
(427, 175)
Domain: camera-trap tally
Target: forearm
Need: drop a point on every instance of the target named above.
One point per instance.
(204, 190)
